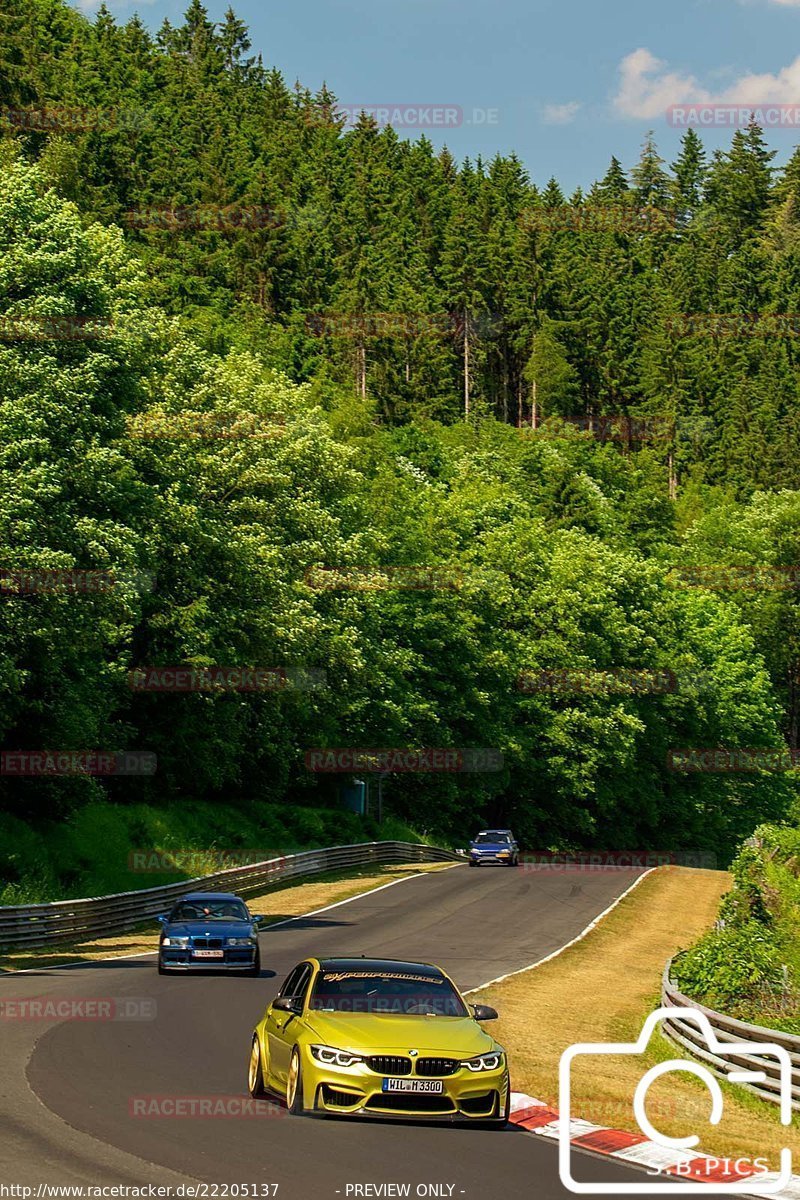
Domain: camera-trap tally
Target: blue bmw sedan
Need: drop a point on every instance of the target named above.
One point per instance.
(209, 929)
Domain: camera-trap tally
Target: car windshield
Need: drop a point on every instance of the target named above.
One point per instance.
(491, 838)
(209, 910)
(386, 992)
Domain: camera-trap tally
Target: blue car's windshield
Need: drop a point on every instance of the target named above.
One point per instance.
(393, 993)
(209, 910)
(491, 839)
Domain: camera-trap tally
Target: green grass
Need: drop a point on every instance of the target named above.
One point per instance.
(92, 852)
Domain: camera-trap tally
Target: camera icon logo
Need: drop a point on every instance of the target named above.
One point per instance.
(765, 1185)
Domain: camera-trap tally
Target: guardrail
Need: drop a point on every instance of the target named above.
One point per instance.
(78, 920)
(686, 1035)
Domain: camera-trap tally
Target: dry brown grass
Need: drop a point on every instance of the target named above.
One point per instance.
(290, 900)
(601, 990)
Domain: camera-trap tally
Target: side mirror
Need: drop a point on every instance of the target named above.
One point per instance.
(162, 918)
(483, 1012)
(287, 1004)
(256, 920)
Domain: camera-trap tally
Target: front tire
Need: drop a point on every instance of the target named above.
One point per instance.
(162, 970)
(255, 1071)
(472, 863)
(294, 1085)
(256, 967)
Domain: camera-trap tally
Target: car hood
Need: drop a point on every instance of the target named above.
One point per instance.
(494, 846)
(210, 929)
(372, 1034)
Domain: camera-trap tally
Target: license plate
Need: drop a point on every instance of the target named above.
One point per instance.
(209, 953)
(434, 1086)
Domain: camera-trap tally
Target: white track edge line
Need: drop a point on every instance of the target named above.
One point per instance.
(568, 945)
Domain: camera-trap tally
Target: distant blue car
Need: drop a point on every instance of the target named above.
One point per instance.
(494, 846)
(209, 929)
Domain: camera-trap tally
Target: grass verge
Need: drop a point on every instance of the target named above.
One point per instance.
(289, 899)
(601, 990)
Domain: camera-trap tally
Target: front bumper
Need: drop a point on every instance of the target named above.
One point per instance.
(500, 860)
(357, 1091)
(234, 959)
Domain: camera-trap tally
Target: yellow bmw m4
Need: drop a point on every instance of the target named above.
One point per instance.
(372, 1037)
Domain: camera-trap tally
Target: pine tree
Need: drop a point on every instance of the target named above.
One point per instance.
(651, 183)
(689, 171)
(613, 187)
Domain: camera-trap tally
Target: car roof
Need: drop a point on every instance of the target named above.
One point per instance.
(381, 966)
(493, 831)
(209, 896)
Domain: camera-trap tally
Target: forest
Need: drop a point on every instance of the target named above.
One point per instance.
(381, 450)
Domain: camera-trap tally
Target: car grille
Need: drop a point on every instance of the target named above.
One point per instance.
(480, 1106)
(406, 1103)
(339, 1099)
(437, 1067)
(207, 943)
(389, 1064)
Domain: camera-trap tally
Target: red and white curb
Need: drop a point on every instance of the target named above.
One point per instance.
(539, 1118)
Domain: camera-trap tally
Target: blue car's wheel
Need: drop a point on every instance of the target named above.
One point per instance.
(162, 970)
(255, 1070)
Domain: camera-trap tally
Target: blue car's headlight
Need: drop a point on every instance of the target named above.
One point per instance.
(485, 1062)
(240, 941)
(179, 943)
(332, 1057)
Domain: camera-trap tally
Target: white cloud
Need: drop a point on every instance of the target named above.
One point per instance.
(561, 114)
(647, 87)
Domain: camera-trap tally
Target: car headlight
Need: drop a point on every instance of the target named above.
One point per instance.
(332, 1057)
(485, 1062)
(504, 854)
(239, 941)
(181, 943)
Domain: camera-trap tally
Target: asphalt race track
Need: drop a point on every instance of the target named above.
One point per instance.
(67, 1086)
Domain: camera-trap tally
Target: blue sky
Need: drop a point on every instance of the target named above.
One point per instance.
(564, 83)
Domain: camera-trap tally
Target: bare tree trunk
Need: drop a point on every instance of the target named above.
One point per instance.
(361, 370)
(794, 722)
(673, 481)
(505, 390)
(519, 403)
(534, 407)
(466, 365)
